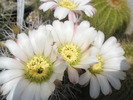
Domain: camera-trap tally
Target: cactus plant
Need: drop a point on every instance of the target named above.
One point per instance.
(112, 17)
(128, 47)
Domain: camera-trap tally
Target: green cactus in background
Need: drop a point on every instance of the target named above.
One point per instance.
(112, 17)
(128, 47)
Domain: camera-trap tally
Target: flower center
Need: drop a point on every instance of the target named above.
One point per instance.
(67, 4)
(97, 68)
(71, 53)
(38, 69)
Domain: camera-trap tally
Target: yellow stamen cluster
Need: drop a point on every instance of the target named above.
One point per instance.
(38, 69)
(97, 68)
(71, 53)
(67, 4)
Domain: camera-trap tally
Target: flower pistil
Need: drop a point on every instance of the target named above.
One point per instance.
(38, 69)
(71, 53)
(97, 68)
(67, 4)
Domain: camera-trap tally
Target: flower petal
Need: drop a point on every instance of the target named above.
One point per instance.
(10, 63)
(89, 10)
(45, 91)
(25, 44)
(99, 39)
(115, 73)
(73, 75)
(108, 44)
(38, 92)
(125, 65)
(94, 87)
(47, 5)
(21, 86)
(85, 38)
(61, 13)
(105, 87)
(84, 25)
(11, 94)
(86, 62)
(40, 38)
(29, 92)
(58, 32)
(69, 30)
(59, 76)
(53, 77)
(59, 67)
(113, 52)
(15, 50)
(49, 52)
(33, 41)
(8, 75)
(51, 86)
(72, 16)
(7, 87)
(50, 47)
(81, 2)
(84, 78)
(116, 63)
(113, 81)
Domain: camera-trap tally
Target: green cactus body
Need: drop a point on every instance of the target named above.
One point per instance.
(128, 47)
(112, 17)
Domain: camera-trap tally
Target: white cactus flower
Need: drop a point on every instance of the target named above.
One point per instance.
(31, 74)
(110, 67)
(68, 7)
(72, 42)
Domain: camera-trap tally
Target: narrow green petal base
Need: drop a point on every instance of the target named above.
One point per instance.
(112, 16)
